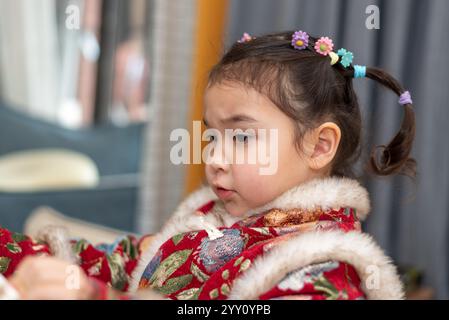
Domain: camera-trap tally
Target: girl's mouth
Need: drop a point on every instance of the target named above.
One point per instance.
(223, 193)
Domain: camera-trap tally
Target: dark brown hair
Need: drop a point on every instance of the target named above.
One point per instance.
(304, 85)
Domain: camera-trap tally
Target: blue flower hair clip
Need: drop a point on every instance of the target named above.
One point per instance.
(346, 57)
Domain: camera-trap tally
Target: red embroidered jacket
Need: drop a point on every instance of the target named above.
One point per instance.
(296, 247)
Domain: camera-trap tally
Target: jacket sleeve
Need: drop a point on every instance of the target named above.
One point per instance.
(16, 246)
(332, 280)
(111, 264)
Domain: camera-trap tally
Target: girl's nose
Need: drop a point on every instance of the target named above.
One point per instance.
(217, 160)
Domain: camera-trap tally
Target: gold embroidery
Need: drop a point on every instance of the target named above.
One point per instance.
(282, 218)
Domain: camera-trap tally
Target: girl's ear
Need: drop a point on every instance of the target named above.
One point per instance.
(325, 140)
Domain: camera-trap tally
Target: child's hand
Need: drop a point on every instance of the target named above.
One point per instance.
(51, 278)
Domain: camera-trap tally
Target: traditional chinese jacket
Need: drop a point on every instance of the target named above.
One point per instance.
(305, 244)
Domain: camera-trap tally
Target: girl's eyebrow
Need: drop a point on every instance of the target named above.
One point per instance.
(238, 118)
(233, 119)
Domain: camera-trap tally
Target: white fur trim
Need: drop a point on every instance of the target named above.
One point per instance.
(327, 193)
(58, 240)
(182, 220)
(354, 248)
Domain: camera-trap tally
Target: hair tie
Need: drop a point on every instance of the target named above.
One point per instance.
(405, 98)
(334, 58)
(359, 71)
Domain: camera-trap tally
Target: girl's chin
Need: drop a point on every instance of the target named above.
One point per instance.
(234, 210)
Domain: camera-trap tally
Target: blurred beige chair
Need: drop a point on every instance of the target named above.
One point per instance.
(46, 169)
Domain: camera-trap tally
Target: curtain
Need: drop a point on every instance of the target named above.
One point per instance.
(172, 33)
(28, 55)
(409, 221)
(40, 59)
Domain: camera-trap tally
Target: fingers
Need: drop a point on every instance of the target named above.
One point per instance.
(50, 278)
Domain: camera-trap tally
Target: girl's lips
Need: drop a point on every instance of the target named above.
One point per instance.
(223, 193)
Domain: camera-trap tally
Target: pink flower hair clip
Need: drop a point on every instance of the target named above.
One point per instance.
(245, 38)
(324, 46)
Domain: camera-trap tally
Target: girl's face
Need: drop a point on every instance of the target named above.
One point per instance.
(239, 184)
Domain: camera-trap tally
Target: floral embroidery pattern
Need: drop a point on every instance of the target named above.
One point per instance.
(111, 264)
(167, 267)
(213, 265)
(215, 253)
(150, 268)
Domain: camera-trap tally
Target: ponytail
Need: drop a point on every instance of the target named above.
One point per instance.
(394, 158)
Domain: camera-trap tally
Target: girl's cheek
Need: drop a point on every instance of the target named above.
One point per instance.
(208, 173)
(247, 179)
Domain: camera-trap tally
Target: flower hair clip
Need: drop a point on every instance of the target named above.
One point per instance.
(245, 38)
(346, 57)
(324, 46)
(300, 40)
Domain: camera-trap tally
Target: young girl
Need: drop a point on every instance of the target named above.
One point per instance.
(291, 234)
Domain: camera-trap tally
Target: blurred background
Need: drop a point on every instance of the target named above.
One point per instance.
(91, 89)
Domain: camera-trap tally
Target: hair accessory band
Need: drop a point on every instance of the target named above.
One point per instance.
(405, 98)
(359, 71)
(334, 58)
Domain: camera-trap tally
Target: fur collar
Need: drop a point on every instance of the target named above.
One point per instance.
(326, 193)
(379, 277)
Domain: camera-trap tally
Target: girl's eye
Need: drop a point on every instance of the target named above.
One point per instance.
(211, 138)
(241, 137)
